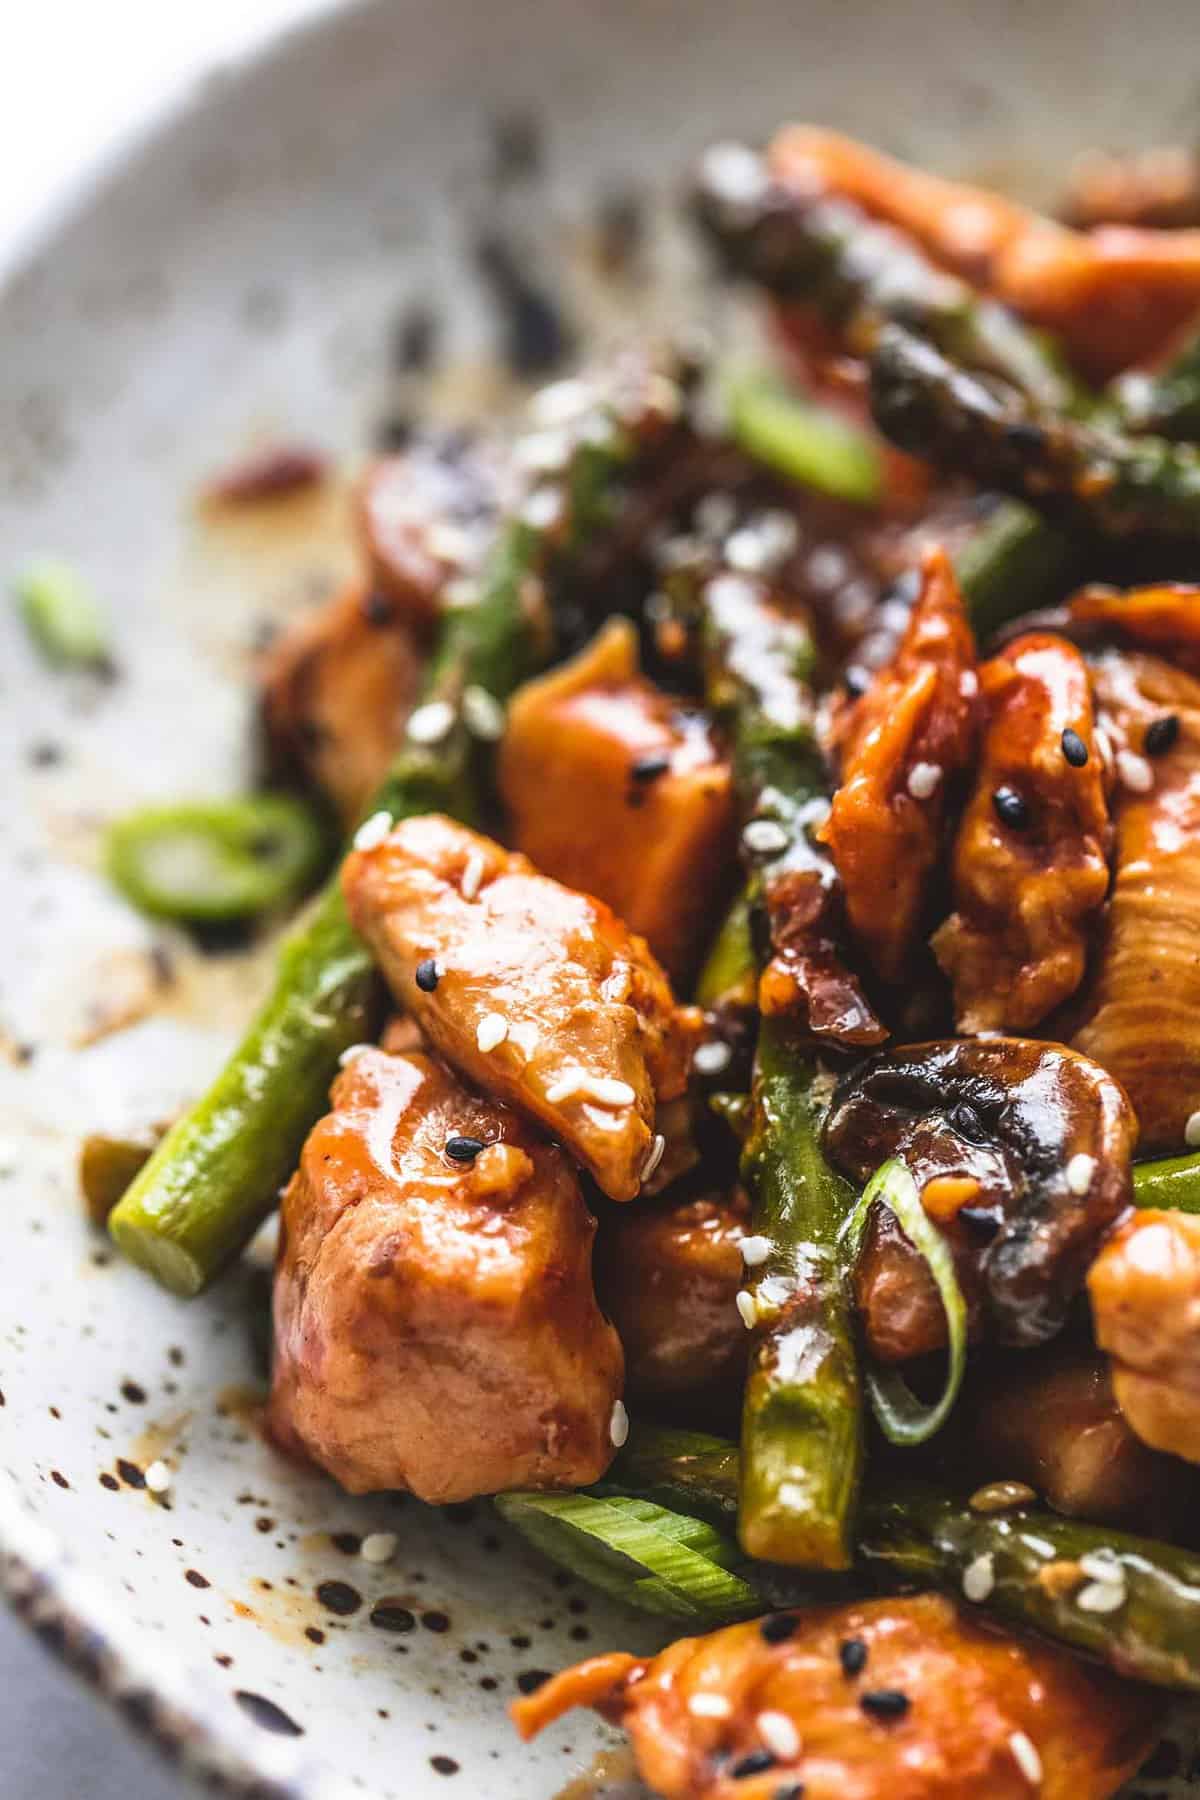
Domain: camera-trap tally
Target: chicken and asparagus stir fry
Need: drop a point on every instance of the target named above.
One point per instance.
(737, 1099)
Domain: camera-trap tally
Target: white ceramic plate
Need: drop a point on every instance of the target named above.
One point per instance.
(238, 275)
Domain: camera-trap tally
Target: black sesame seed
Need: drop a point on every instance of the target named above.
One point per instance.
(1161, 734)
(464, 1149)
(1024, 435)
(428, 975)
(778, 1626)
(754, 1764)
(1010, 808)
(853, 1654)
(1074, 748)
(884, 1703)
(650, 766)
(791, 1790)
(982, 1224)
(378, 609)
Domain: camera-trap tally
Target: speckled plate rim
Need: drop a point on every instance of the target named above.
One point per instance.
(44, 1583)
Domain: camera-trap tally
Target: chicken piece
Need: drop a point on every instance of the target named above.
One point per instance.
(427, 517)
(1115, 295)
(435, 1323)
(1052, 1421)
(906, 741)
(1145, 1294)
(943, 1709)
(614, 788)
(1165, 617)
(668, 1277)
(336, 690)
(1141, 1009)
(541, 995)
(1030, 865)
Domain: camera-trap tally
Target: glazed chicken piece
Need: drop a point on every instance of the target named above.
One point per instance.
(613, 787)
(435, 1323)
(1140, 1013)
(1145, 1293)
(1164, 617)
(1030, 866)
(1115, 295)
(1051, 1419)
(1158, 187)
(336, 690)
(937, 1708)
(426, 518)
(537, 993)
(668, 1277)
(905, 742)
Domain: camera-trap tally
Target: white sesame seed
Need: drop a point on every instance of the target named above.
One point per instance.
(351, 1052)
(755, 1250)
(1102, 1565)
(491, 1031)
(618, 1424)
(1191, 1131)
(462, 591)
(448, 541)
(779, 1735)
(654, 1155)
(1102, 1597)
(379, 1546)
(577, 1084)
(430, 723)
(158, 1477)
(543, 452)
(714, 515)
(561, 401)
(979, 1577)
(710, 1706)
(472, 875)
(483, 714)
(968, 684)
(1103, 745)
(814, 812)
(1135, 772)
(542, 509)
(735, 173)
(712, 1059)
(1026, 1757)
(372, 831)
(747, 1308)
(763, 837)
(923, 779)
(1080, 1170)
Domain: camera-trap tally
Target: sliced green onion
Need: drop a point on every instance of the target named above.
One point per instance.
(62, 614)
(801, 440)
(646, 1555)
(1171, 1183)
(215, 862)
(902, 1417)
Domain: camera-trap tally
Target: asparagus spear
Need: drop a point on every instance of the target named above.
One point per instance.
(1089, 475)
(802, 1426)
(858, 274)
(218, 1171)
(1031, 1567)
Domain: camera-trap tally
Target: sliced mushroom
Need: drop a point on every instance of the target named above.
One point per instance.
(1022, 1152)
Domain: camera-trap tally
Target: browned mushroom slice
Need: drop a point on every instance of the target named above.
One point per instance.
(668, 1277)
(907, 740)
(539, 994)
(1141, 1008)
(1145, 1293)
(1022, 1153)
(1029, 867)
(934, 1706)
